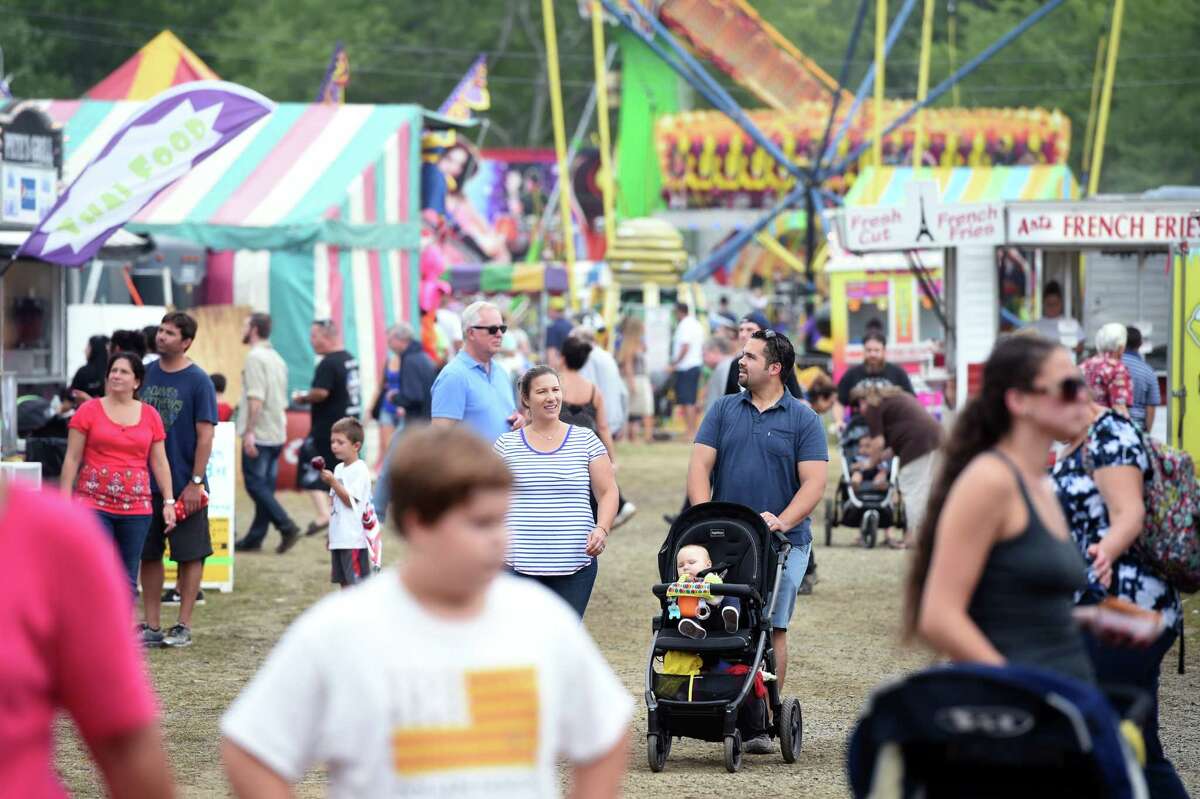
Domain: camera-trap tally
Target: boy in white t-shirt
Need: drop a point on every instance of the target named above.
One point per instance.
(444, 677)
(349, 492)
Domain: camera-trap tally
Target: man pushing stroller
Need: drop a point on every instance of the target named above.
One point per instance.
(772, 458)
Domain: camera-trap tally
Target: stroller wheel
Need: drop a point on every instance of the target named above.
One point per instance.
(870, 528)
(733, 752)
(791, 729)
(829, 522)
(658, 748)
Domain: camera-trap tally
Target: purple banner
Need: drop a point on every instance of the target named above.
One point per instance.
(171, 133)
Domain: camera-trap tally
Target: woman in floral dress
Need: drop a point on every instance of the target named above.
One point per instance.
(110, 443)
(1100, 481)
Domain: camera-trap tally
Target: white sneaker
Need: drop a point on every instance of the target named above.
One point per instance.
(624, 514)
(731, 616)
(689, 628)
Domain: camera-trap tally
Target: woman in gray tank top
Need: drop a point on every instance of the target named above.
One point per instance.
(996, 571)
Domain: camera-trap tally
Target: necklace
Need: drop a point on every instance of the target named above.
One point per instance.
(549, 437)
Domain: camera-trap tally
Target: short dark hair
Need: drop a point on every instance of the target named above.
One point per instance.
(1052, 288)
(525, 383)
(874, 335)
(135, 365)
(436, 469)
(1133, 339)
(350, 427)
(184, 323)
(575, 352)
(219, 382)
(261, 322)
(128, 341)
(683, 306)
(779, 350)
(149, 334)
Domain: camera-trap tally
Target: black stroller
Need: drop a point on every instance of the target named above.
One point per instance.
(985, 731)
(721, 701)
(865, 506)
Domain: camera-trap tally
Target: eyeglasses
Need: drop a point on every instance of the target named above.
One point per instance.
(1069, 390)
(491, 329)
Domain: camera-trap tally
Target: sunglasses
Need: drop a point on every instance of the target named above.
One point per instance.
(1069, 390)
(491, 329)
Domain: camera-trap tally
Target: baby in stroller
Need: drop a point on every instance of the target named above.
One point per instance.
(695, 566)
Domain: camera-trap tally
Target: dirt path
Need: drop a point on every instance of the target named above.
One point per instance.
(844, 643)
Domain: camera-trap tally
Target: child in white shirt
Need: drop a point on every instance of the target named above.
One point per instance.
(350, 491)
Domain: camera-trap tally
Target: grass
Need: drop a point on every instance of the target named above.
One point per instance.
(843, 643)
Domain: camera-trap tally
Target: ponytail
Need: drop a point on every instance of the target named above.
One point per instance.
(1014, 363)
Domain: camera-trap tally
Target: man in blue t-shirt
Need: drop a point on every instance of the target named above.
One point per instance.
(185, 398)
(472, 388)
(765, 449)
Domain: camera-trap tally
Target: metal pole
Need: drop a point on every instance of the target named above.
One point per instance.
(1097, 74)
(880, 76)
(601, 90)
(851, 46)
(560, 143)
(868, 80)
(694, 73)
(585, 119)
(952, 43)
(1110, 71)
(950, 82)
(918, 148)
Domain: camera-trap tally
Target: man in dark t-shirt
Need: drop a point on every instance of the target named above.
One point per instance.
(184, 397)
(873, 371)
(336, 392)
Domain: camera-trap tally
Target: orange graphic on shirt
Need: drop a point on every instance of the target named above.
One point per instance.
(502, 707)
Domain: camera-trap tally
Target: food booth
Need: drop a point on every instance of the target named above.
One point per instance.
(1121, 259)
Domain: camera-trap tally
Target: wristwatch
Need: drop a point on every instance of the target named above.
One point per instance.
(197, 479)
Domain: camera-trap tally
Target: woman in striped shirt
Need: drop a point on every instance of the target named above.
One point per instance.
(554, 536)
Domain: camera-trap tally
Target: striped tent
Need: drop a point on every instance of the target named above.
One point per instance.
(312, 213)
(965, 184)
(164, 62)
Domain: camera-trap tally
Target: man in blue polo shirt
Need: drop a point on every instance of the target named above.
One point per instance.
(473, 388)
(765, 449)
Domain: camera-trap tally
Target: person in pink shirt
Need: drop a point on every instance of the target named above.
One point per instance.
(65, 644)
(110, 442)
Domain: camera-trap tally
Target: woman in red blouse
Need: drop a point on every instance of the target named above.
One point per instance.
(110, 441)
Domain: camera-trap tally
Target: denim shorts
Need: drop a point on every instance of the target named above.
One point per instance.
(789, 583)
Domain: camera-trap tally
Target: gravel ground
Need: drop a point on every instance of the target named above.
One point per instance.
(844, 642)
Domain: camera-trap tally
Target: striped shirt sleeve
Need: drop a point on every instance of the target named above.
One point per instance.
(592, 443)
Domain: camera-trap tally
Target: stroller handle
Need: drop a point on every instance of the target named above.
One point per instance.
(785, 546)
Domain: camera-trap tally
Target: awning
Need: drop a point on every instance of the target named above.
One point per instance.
(888, 185)
(517, 278)
(120, 244)
(286, 182)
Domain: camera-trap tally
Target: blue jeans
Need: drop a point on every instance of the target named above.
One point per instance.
(129, 534)
(575, 589)
(383, 486)
(1140, 668)
(789, 583)
(260, 473)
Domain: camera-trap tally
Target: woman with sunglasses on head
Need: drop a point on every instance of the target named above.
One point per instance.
(996, 571)
(1100, 478)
